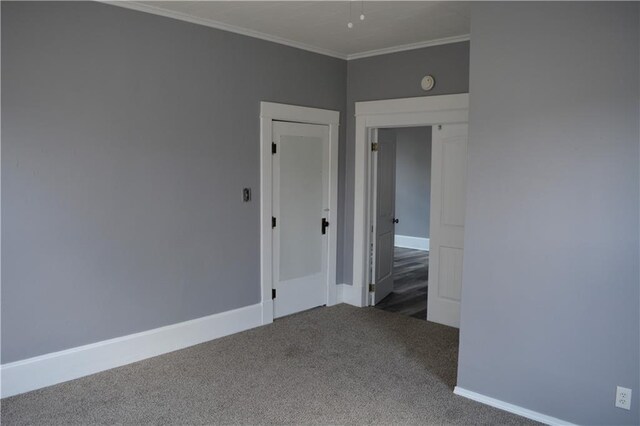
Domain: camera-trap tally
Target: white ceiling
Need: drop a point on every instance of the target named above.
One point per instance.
(321, 26)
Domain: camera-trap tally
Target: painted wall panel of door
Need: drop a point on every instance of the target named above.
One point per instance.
(300, 201)
(384, 161)
(448, 194)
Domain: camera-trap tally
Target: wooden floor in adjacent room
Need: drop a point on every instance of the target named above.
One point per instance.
(410, 277)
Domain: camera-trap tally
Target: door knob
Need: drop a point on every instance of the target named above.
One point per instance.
(396, 220)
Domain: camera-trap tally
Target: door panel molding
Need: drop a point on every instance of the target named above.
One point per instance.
(300, 182)
(270, 112)
(383, 212)
(448, 198)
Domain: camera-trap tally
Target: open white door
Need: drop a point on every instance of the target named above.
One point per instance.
(448, 192)
(300, 206)
(384, 172)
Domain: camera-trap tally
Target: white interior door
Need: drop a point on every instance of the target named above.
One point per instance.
(300, 203)
(448, 192)
(384, 166)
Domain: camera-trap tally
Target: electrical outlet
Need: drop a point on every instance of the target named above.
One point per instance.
(623, 398)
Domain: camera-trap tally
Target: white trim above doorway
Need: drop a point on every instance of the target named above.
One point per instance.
(270, 112)
(407, 112)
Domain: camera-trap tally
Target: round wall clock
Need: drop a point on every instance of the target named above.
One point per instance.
(427, 82)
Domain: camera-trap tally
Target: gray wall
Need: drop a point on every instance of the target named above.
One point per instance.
(550, 297)
(396, 75)
(127, 139)
(413, 181)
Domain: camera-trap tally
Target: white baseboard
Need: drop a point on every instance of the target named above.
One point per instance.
(57, 367)
(511, 408)
(350, 295)
(416, 243)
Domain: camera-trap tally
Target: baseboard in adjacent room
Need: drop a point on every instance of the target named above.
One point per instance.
(57, 367)
(511, 408)
(415, 243)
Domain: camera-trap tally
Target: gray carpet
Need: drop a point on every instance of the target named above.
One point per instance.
(337, 365)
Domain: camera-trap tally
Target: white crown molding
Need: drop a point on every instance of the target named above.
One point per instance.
(141, 7)
(410, 46)
(155, 10)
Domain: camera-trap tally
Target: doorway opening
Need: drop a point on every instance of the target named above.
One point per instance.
(374, 213)
(406, 151)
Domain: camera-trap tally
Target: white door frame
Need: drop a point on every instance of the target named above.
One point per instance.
(269, 112)
(407, 112)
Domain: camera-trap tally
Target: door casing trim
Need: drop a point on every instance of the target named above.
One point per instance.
(405, 112)
(269, 112)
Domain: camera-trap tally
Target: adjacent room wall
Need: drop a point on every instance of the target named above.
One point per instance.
(550, 296)
(413, 181)
(396, 75)
(127, 140)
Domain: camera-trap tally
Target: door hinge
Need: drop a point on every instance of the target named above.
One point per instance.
(374, 147)
(324, 225)
(273, 293)
(273, 222)
(372, 288)
(274, 148)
